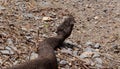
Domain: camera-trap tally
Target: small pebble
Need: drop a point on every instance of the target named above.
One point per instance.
(98, 66)
(97, 46)
(10, 41)
(97, 50)
(96, 54)
(63, 62)
(58, 59)
(28, 15)
(98, 60)
(16, 62)
(68, 41)
(47, 19)
(33, 55)
(89, 61)
(2, 8)
(13, 47)
(86, 55)
(5, 52)
(10, 50)
(96, 17)
(68, 51)
(24, 29)
(75, 53)
(88, 49)
(89, 44)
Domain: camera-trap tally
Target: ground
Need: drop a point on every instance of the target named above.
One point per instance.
(96, 31)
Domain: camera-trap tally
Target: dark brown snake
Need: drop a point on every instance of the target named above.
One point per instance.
(47, 58)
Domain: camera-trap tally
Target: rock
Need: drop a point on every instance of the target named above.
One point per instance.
(45, 35)
(68, 41)
(28, 15)
(96, 54)
(13, 47)
(10, 42)
(10, 50)
(97, 50)
(5, 52)
(16, 62)
(98, 60)
(98, 66)
(89, 44)
(89, 62)
(63, 62)
(28, 37)
(97, 46)
(24, 29)
(75, 53)
(1, 61)
(3, 34)
(88, 49)
(58, 59)
(86, 55)
(96, 17)
(2, 8)
(33, 55)
(108, 56)
(47, 19)
(36, 17)
(68, 51)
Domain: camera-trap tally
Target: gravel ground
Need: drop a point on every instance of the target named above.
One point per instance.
(93, 44)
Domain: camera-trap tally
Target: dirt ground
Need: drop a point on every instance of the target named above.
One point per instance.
(97, 22)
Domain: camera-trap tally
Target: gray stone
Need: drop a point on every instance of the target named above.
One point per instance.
(88, 49)
(10, 50)
(2, 8)
(89, 43)
(13, 47)
(16, 62)
(58, 59)
(37, 18)
(33, 55)
(10, 42)
(24, 29)
(75, 53)
(28, 15)
(98, 60)
(86, 55)
(89, 62)
(96, 54)
(97, 46)
(63, 62)
(98, 66)
(68, 41)
(68, 51)
(108, 56)
(5, 52)
(28, 37)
